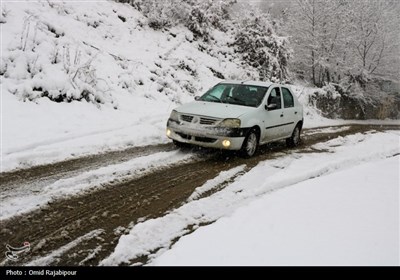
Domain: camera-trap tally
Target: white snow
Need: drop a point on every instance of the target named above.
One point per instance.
(313, 117)
(17, 201)
(140, 77)
(215, 182)
(136, 76)
(91, 255)
(329, 130)
(46, 132)
(53, 256)
(157, 235)
(350, 217)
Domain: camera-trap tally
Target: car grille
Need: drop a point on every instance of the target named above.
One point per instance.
(186, 118)
(207, 121)
(203, 121)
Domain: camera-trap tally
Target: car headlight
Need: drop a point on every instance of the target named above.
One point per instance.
(174, 115)
(230, 123)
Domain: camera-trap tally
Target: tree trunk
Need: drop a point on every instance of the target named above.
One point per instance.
(313, 67)
(328, 76)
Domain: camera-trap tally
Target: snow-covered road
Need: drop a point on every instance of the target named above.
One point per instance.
(87, 174)
(342, 153)
(140, 202)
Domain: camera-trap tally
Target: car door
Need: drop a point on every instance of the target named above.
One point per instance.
(273, 117)
(289, 112)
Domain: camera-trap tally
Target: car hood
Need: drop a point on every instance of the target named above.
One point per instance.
(213, 109)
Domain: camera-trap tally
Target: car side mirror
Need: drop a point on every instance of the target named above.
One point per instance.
(271, 107)
(197, 98)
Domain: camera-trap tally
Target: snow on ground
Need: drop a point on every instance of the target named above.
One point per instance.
(329, 130)
(313, 116)
(350, 217)
(18, 200)
(47, 260)
(153, 237)
(135, 77)
(46, 132)
(217, 181)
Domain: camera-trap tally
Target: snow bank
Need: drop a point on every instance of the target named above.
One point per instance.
(350, 217)
(155, 236)
(77, 79)
(217, 181)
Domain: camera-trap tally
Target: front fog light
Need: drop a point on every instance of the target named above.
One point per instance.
(226, 143)
(168, 132)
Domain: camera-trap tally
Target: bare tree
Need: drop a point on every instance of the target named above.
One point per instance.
(340, 38)
(375, 35)
(316, 28)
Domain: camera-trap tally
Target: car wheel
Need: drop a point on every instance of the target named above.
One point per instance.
(250, 144)
(294, 140)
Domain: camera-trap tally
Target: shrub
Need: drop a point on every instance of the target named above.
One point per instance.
(261, 48)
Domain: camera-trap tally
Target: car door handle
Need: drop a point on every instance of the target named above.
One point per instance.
(281, 115)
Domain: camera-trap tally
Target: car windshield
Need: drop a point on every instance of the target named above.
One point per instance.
(237, 94)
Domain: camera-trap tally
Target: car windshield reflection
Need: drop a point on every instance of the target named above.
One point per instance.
(243, 95)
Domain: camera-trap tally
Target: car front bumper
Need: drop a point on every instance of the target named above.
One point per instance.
(206, 136)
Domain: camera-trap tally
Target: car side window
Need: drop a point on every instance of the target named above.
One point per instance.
(288, 101)
(275, 97)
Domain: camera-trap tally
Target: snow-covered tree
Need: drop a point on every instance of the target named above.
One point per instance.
(336, 39)
(199, 16)
(202, 15)
(261, 47)
(374, 37)
(160, 14)
(317, 29)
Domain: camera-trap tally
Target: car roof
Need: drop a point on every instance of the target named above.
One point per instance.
(250, 83)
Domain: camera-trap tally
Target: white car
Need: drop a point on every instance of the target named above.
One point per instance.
(236, 115)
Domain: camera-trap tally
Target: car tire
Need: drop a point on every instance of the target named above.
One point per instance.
(250, 144)
(294, 139)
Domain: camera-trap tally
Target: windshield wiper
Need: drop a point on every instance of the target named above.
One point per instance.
(238, 101)
(216, 98)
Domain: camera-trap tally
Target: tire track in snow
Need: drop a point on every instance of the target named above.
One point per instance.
(151, 238)
(121, 205)
(46, 260)
(17, 203)
(217, 183)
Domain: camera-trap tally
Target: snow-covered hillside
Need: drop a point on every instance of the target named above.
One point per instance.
(86, 77)
(79, 77)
